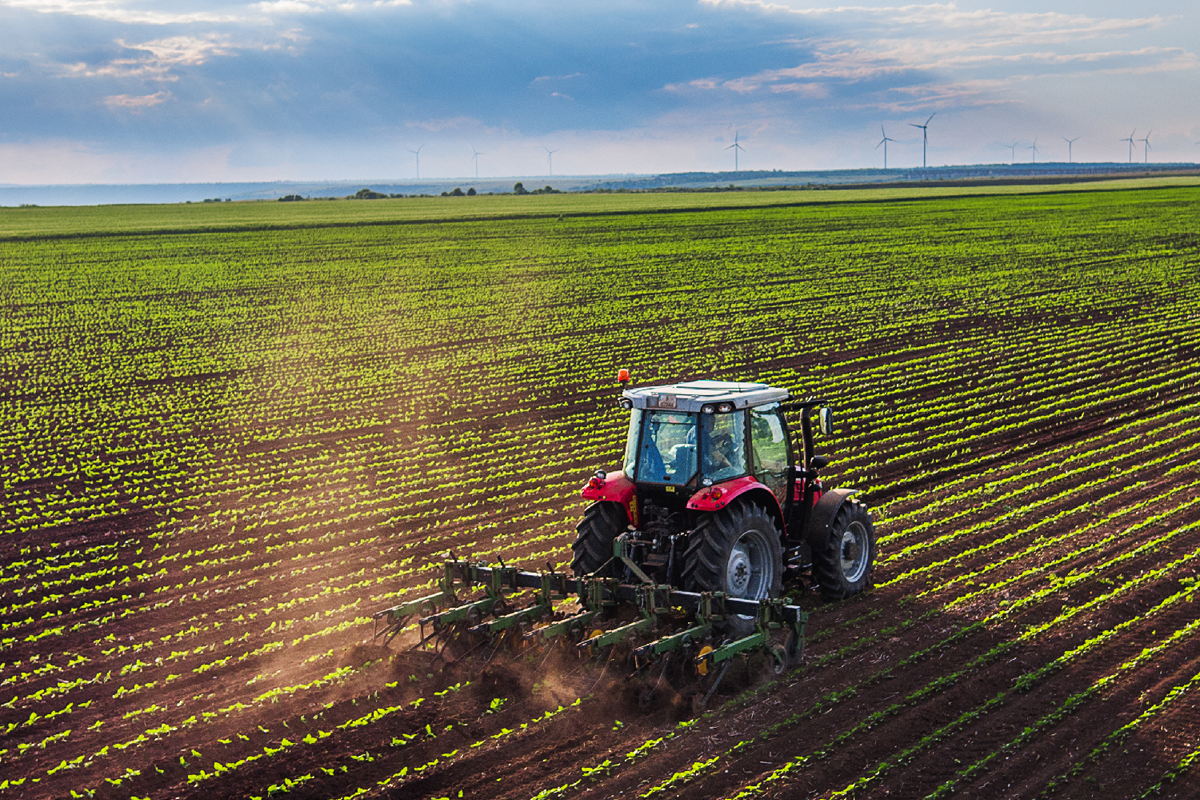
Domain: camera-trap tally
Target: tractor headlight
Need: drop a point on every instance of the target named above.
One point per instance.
(625, 404)
(725, 408)
(708, 408)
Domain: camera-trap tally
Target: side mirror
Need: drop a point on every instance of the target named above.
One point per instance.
(818, 462)
(825, 421)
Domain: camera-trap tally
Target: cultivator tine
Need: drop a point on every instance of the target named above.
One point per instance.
(755, 641)
(598, 593)
(398, 616)
(563, 626)
(460, 613)
(648, 652)
(515, 619)
(658, 683)
(615, 635)
(556, 584)
(414, 606)
(701, 702)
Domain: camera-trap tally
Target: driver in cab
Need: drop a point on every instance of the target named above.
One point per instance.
(719, 457)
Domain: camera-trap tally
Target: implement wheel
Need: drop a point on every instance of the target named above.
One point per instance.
(737, 551)
(602, 522)
(843, 563)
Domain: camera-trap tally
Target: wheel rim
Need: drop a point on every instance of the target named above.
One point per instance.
(854, 552)
(748, 571)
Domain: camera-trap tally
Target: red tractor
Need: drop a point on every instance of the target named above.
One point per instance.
(716, 495)
(680, 558)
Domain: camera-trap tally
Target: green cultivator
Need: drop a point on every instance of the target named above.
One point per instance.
(647, 629)
(679, 562)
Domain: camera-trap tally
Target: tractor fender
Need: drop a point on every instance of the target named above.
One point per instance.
(824, 513)
(615, 487)
(709, 499)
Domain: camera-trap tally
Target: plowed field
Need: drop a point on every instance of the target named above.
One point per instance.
(223, 449)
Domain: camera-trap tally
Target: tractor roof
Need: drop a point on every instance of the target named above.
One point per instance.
(692, 396)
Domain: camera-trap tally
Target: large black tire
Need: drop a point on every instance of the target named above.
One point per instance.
(602, 522)
(738, 551)
(843, 563)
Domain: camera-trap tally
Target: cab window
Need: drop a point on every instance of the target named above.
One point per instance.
(668, 447)
(769, 447)
(723, 442)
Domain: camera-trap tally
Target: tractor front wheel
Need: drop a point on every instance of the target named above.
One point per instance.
(602, 522)
(842, 564)
(737, 551)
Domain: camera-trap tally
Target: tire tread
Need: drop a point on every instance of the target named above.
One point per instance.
(826, 556)
(593, 546)
(703, 561)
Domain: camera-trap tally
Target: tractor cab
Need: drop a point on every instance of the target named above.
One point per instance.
(686, 438)
(696, 434)
(712, 474)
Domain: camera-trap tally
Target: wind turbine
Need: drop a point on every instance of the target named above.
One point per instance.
(1012, 155)
(924, 135)
(884, 142)
(1033, 148)
(475, 154)
(550, 158)
(1129, 139)
(1146, 152)
(417, 153)
(735, 147)
(1069, 143)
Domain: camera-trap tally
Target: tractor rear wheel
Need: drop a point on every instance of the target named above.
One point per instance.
(602, 522)
(738, 551)
(842, 564)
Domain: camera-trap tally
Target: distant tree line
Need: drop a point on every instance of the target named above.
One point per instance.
(368, 193)
(519, 188)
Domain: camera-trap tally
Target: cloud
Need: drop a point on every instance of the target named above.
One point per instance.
(158, 59)
(341, 80)
(114, 11)
(283, 7)
(902, 44)
(949, 16)
(137, 103)
(939, 96)
(557, 77)
(1183, 61)
(699, 83)
(895, 57)
(183, 49)
(817, 90)
(439, 125)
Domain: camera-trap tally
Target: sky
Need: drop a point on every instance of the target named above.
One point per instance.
(130, 91)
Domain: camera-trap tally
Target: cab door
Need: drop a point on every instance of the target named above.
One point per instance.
(770, 454)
